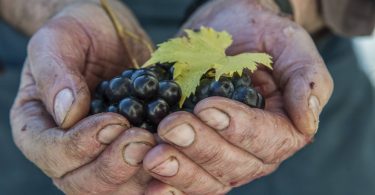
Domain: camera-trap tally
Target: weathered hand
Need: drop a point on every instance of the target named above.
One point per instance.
(227, 144)
(66, 59)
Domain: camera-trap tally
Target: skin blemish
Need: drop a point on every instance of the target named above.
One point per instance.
(312, 85)
(24, 128)
(233, 183)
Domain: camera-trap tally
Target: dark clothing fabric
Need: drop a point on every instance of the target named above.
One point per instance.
(349, 17)
(340, 161)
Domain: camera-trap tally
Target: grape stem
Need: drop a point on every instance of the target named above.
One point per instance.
(122, 32)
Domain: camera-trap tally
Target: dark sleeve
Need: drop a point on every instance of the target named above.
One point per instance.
(349, 17)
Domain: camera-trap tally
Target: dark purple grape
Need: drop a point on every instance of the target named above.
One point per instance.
(100, 90)
(166, 66)
(161, 73)
(118, 89)
(128, 73)
(190, 102)
(113, 108)
(188, 110)
(241, 81)
(148, 126)
(133, 110)
(223, 87)
(203, 89)
(97, 106)
(174, 108)
(141, 72)
(171, 72)
(145, 87)
(261, 102)
(157, 110)
(170, 91)
(246, 95)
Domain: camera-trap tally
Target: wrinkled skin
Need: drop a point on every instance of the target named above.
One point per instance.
(231, 144)
(74, 51)
(227, 144)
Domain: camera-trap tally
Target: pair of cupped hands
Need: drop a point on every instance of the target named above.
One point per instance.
(222, 145)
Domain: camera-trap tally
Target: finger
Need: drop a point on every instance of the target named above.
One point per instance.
(299, 71)
(55, 68)
(157, 188)
(118, 163)
(303, 76)
(168, 165)
(230, 165)
(54, 150)
(269, 136)
(298, 68)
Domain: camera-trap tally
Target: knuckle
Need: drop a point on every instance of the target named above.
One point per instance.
(209, 157)
(109, 175)
(75, 146)
(112, 172)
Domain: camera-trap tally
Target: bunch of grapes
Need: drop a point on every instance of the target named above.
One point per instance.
(238, 88)
(145, 96)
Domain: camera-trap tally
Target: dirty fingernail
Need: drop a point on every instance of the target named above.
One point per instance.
(214, 118)
(167, 168)
(314, 106)
(110, 133)
(135, 152)
(63, 102)
(182, 135)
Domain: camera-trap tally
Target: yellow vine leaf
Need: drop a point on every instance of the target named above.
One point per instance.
(201, 51)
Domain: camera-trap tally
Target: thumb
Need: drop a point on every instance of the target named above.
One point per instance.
(56, 56)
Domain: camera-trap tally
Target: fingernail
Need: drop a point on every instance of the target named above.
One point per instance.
(214, 118)
(63, 101)
(182, 135)
(167, 168)
(314, 106)
(110, 133)
(135, 152)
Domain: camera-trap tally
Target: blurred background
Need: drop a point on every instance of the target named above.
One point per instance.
(24, 176)
(365, 49)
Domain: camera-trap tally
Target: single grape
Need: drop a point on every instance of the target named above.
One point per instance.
(241, 81)
(190, 102)
(203, 89)
(174, 108)
(141, 72)
(145, 87)
(246, 95)
(113, 108)
(100, 89)
(223, 87)
(161, 73)
(133, 110)
(171, 72)
(128, 73)
(148, 126)
(97, 106)
(157, 110)
(188, 110)
(166, 66)
(261, 102)
(118, 89)
(170, 91)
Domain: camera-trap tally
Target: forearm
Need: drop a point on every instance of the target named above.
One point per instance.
(30, 15)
